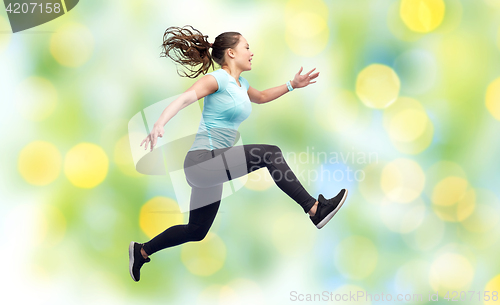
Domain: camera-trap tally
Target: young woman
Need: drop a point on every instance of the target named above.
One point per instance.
(213, 159)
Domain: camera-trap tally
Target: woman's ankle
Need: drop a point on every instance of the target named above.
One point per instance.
(144, 254)
(312, 211)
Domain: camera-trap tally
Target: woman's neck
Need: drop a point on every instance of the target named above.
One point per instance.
(233, 71)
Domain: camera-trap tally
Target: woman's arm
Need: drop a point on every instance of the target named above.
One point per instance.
(201, 88)
(261, 97)
(299, 81)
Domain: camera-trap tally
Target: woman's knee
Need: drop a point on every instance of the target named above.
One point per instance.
(273, 154)
(196, 232)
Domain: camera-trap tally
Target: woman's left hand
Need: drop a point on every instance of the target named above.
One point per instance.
(301, 81)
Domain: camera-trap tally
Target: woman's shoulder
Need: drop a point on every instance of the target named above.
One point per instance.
(221, 77)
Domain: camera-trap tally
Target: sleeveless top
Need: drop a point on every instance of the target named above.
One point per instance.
(223, 112)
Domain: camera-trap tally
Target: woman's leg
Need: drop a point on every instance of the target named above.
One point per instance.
(209, 168)
(200, 221)
(270, 156)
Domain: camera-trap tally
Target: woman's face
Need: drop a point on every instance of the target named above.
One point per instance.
(243, 55)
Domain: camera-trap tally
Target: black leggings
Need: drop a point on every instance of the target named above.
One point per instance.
(207, 170)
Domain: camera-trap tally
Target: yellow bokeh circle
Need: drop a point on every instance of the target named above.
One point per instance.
(205, 257)
(422, 16)
(122, 156)
(453, 199)
(402, 180)
(377, 86)
(449, 191)
(158, 214)
(72, 45)
(439, 171)
(36, 98)
(39, 163)
(449, 272)
(408, 125)
(307, 31)
(493, 98)
(86, 165)
(485, 216)
(356, 257)
(491, 286)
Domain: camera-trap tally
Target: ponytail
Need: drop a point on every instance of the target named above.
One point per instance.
(190, 48)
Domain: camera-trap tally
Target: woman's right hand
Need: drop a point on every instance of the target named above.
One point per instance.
(153, 135)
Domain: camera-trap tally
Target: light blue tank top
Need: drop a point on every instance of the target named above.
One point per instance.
(223, 112)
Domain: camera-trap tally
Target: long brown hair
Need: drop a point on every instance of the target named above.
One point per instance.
(190, 48)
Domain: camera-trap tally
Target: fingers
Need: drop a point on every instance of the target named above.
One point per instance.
(299, 71)
(311, 71)
(147, 141)
(313, 76)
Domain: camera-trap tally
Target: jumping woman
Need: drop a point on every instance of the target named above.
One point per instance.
(213, 158)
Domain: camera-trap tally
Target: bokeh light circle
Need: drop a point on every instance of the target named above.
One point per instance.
(453, 199)
(122, 156)
(158, 214)
(486, 214)
(402, 180)
(450, 272)
(205, 257)
(493, 285)
(356, 257)
(36, 98)
(39, 163)
(493, 98)
(449, 191)
(307, 29)
(422, 16)
(86, 165)
(408, 125)
(72, 45)
(377, 86)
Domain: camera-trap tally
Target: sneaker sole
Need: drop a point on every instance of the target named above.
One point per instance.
(322, 223)
(131, 259)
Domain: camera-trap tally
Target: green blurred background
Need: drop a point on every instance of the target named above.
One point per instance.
(406, 108)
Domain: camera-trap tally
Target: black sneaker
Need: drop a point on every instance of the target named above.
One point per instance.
(136, 260)
(327, 208)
